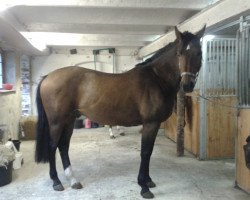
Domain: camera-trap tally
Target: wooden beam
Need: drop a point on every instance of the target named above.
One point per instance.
(212, 17)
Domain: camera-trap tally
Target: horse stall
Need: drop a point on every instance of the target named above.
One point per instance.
(210, 110)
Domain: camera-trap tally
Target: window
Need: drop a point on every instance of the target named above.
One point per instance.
(8, 64)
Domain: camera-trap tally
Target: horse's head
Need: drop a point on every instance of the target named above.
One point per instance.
(246, 148)
(189, 57)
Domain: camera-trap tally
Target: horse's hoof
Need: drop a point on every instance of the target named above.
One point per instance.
(151, 184)
(77, 185)
(147, 194)
(122, 133)
(112, 137)
(58, 187)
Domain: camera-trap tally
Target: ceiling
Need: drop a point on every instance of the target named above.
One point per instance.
(94, 23)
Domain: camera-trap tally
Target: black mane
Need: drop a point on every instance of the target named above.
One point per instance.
(186, 38)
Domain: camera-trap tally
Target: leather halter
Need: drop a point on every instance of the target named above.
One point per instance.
(188, 74)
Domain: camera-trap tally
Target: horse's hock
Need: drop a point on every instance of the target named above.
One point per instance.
(28, 127)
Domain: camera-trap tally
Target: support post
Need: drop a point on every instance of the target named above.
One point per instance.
(180, 122)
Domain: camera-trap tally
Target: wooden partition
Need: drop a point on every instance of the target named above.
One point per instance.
(242, 172)
(221, 127)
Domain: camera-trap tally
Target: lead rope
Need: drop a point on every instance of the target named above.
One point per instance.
(216, 103)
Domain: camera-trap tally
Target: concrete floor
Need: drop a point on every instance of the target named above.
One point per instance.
(108, 170)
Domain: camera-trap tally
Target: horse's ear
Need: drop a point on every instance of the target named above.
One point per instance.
(179, 41)
(201, 32)
(248, 139)
(178, 34)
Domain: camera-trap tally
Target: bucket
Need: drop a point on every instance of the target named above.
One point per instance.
(6, 174)
(18, 160)
(87, 123)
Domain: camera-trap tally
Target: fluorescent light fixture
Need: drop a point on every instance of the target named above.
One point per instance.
(4, 6)
(35, 41)
(41, 40)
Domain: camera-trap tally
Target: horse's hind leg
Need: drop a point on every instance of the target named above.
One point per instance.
(149, 133)
(55, 131)
(64, 149)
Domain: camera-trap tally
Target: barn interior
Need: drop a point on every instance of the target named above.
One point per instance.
(38, 37)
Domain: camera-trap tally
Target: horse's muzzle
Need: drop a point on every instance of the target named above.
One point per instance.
(187, 87)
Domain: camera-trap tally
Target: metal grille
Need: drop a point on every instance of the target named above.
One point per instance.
(243, 59)
(218, 75)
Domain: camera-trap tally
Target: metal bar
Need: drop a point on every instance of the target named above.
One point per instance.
(247, 65)
(226, 65)
(211, 60)
(217, 66)
(203, 118)
(222, 68)
(238, 92)
(244, 68)
(240, 69)
(232, 75)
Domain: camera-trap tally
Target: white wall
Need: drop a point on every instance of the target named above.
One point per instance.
(10, 102)
(42, 65)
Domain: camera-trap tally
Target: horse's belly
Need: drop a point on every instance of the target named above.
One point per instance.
(113, 116)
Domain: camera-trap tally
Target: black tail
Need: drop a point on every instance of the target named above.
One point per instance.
(42, 130)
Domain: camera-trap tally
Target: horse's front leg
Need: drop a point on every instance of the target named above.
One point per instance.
(149, 133)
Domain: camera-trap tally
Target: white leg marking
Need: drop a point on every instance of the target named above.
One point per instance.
(70, 175)
(111, 132)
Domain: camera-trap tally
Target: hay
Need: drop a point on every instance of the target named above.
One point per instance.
(28, 127)
(6, 156)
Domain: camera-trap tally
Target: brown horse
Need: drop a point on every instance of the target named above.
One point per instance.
(144, 95)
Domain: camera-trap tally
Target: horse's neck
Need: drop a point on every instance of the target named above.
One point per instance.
(167, 69)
